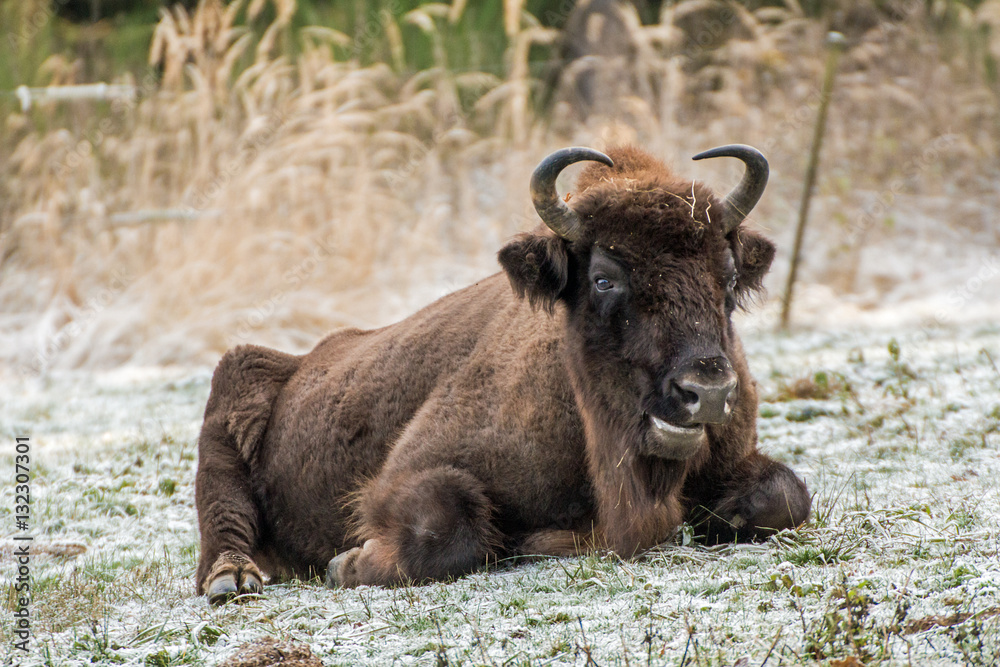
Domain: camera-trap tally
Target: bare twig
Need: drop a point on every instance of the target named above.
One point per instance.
(835, 43)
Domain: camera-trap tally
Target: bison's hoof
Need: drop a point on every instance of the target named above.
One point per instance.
(222, 589)
(338, 567)
(251, 584)
(234, 577)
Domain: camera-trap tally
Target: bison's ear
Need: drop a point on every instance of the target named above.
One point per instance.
(537, 267)
(753, 254)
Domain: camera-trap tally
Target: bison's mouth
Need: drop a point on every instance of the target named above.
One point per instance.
(673, 441)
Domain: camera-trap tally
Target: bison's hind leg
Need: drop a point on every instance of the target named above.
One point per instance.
(244, 387)
(430, 525)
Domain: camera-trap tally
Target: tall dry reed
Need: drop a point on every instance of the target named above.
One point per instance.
(318, 193)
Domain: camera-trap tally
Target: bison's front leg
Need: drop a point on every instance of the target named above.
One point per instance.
(756, 498)
(432, 524)
(227, 517)
(244, 387)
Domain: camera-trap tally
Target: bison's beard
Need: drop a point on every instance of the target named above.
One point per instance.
(669, 441)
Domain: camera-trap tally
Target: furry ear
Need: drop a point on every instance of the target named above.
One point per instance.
(537, 267)
(753, 254)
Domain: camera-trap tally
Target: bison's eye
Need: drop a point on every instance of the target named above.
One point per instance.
(603, 284)
(731, 293)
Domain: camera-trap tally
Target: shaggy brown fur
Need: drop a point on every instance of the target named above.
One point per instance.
(511, 417)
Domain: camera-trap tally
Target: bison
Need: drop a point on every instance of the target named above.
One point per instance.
(592, 396)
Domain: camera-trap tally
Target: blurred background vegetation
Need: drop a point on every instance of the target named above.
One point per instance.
(113, 36)
(278, 168)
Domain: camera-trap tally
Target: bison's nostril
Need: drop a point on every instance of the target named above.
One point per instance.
(686, 397)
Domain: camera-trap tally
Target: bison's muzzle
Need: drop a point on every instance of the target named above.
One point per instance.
(706, 389)
(698, 393)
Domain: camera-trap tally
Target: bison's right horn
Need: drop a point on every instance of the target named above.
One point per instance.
(553, 211)
(741, 200)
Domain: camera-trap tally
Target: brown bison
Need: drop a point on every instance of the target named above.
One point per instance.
(592, 396)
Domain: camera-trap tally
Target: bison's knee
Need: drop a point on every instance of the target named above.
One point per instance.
(770, 498)
(434, 524)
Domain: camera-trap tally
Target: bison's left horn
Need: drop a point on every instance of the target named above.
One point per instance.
(738, 203)
(553, 211)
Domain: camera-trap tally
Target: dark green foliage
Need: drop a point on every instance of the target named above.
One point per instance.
(476, 40)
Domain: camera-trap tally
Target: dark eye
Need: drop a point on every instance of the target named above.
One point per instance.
(603, 284)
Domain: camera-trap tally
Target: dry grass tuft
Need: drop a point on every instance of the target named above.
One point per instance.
(268, 651)
(816, 387)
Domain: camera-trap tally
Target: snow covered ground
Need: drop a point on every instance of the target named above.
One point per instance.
(896, 431)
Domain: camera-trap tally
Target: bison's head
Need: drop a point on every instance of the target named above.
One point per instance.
(649, 268)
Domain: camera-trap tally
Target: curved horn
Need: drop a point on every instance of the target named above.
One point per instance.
(741, 200)
(553, 211)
